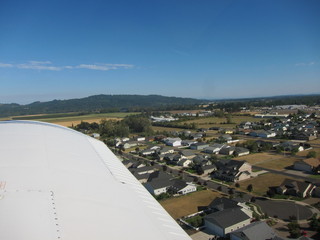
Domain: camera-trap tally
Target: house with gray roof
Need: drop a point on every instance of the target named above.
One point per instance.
(187, 153)
(240, 151)
(214, 149)
(227, 150)
(199, 146)
(232, 170)
(295, 188)
(158, 182)
(254, 231)
(181, 187)
(226, 221)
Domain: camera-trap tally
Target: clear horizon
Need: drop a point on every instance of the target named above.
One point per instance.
(206, 49)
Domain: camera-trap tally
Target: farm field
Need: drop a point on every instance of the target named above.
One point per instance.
(262, 183)
(69, 119)
(188, 204)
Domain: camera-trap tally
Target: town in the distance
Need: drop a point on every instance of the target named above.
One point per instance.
(239, 170)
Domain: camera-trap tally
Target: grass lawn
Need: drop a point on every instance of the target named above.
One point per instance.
(262, 183)
(188, 204)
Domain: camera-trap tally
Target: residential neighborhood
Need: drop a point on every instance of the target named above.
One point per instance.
(251, 167)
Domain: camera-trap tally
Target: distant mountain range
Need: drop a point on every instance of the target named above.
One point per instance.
(100, 103)
(115, 103)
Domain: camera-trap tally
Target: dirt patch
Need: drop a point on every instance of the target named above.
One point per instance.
(76, 122)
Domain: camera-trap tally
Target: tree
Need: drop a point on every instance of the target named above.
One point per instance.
(294, 229)
(271, 193)
(314, 223)
(312, 154)
(231, 191)
(250, 188)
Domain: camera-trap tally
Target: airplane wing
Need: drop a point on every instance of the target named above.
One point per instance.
(56, 183)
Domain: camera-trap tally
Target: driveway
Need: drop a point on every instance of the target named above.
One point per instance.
(284, 209)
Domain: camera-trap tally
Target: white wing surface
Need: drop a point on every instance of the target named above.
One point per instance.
(56, 183)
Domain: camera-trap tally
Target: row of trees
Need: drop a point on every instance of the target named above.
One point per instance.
(112, 128)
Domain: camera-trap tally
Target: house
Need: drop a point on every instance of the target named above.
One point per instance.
(254, 231)
(228, 131)
(139, 138)
(295, 188)
(208, 169)
(308, 136)
(232, 170)
(245, 125)
(173, 158)
(147, 152)
(214, 149)
(95, 135)
(307, 165)
(201, 160)
(199, 146)
(225, 138)
(174, 142)
(289, 146)
(129, 144)
(165, 150)
(240, 151)
(262, 134)
(184, 162)
(227, 150)
(188, 154)
(158, 183)
(187, 142)
(222, 203)
(226, 221)
(181, 187)
(196, 135)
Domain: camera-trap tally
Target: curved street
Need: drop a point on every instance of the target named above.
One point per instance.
(281, 209)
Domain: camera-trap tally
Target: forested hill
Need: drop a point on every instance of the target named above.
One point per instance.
(100, 103)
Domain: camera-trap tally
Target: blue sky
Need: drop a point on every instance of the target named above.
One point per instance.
(186, 48)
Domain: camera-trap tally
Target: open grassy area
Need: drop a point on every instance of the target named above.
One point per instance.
(262, 183)
(168, 129)
(188, 204)
(258, 158)
(218, 122)
(270, 160)
(279, 164)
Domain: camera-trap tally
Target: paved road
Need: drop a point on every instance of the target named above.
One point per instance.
(285, 174)
(284, 209)
(281, 209)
